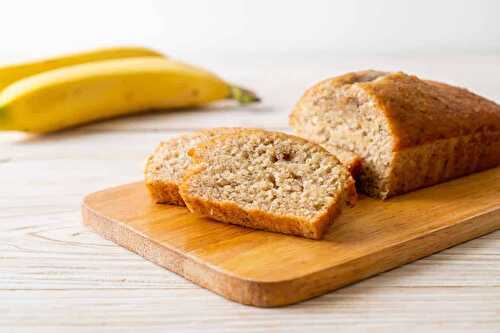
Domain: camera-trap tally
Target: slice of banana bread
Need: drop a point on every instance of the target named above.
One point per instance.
(267, 180)
(165, 167)
(410, 133)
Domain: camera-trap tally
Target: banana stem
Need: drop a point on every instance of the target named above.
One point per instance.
(242, 95)
(3, 125)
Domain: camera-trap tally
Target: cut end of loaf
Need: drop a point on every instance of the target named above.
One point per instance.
(269, 181)
(339, 115)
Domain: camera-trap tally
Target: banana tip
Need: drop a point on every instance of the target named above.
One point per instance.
(243, 96)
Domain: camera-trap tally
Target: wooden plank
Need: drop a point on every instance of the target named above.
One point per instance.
(53, 251)
(352, 309)
(266, 269)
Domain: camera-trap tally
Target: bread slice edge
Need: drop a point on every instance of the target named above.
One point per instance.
(230, 212)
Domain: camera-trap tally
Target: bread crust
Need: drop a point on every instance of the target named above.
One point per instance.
(411, 104)
(164, 191)
(442, 160)
(439, 131)
(230, 212)
(422, 111)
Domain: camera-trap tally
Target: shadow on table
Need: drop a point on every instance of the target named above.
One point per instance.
(146, 121)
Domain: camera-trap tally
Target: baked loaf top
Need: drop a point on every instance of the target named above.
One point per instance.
(410, 133)
(267, 180)
(419, 111)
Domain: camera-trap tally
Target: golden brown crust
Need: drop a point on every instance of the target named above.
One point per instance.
(411, 104)
(422, 111)
(442, 160)
(439, 132)
(230, 212)
(165, 192)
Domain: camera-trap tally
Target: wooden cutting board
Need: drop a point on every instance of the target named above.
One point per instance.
(268, 269)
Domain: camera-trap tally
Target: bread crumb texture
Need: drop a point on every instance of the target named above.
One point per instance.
(273, 175)
(165, 167)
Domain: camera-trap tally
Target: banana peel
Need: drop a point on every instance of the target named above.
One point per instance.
(97, 89)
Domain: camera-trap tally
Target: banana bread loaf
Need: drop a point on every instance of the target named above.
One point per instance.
(409, 132)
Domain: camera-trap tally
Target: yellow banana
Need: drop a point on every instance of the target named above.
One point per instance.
(79, 94)
(12, 73)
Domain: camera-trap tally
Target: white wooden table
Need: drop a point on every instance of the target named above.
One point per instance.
(57, 276)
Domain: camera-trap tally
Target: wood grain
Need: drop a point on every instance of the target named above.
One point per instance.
(267, 269)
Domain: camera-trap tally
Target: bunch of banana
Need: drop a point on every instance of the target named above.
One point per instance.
(51, 95)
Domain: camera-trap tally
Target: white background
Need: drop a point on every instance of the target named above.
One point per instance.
(197, 30)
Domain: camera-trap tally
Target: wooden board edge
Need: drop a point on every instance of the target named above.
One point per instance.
(239, 290)
(277, 293)
(410, 250)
